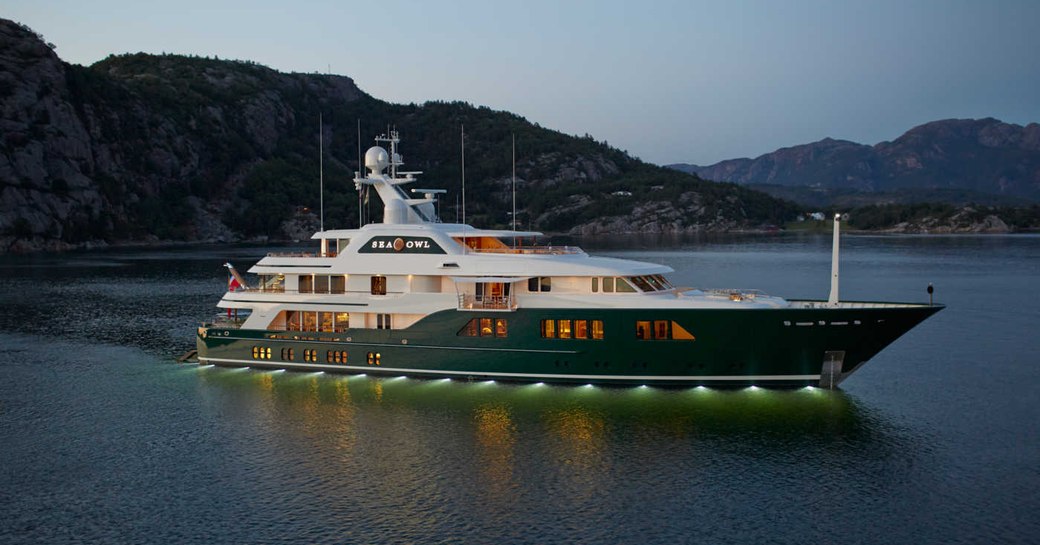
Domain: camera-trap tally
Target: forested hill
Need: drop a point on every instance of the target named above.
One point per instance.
(150, 148)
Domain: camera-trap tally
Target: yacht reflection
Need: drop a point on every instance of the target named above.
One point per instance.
(507, 434)
(496, 437)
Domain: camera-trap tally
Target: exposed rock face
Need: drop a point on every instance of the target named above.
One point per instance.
(92, 154)
(153, 148)
(981, 155)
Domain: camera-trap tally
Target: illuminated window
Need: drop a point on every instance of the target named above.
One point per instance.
(256, 352)
(565, 329)
(287, 354)
(267, 353)
(378, 358)
(549, 329)
(310, 354)
(371, 358)
(325, 320)
(378, 285)
(485, 327)
(310, 321)
(581, 329)
(471, 329)
(292, 320)
(660, 329)
(342, 322)
(679, 333)
(597, 329)
(643, 330)
(500, 327)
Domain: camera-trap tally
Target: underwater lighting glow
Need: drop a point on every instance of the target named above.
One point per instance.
(445, 380)
(701, 387)
(589, 386)
(643, 386)
(752, 388)
(810, 388)
(539, 384)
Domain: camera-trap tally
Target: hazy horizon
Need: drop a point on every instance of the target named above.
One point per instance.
(669, 82)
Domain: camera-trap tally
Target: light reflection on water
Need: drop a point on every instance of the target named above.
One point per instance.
(103, 440)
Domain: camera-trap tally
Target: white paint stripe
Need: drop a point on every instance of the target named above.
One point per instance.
(644, 378)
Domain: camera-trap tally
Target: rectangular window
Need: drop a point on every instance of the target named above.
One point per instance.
(608, 284)
(539, 283)
(643, 330)
(595, 284)
(306, 283)
(565, 329)
(549, 329)
(310, 321)
(321, 283)
(292, 320)
(660, 329)
(383, 321)
(325, 321)
(597, 329)
(337, 284)
(342, 322)
(500, 327)
(581, 329)
(623, 286)
(378, 285)
(485, 327)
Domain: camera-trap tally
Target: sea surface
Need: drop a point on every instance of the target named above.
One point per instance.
(105, 439)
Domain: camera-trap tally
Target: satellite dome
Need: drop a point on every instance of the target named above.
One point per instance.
(376, 159)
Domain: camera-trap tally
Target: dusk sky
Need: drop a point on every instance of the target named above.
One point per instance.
(667, 81)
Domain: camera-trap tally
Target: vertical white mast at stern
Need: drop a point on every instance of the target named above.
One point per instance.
(833, 298)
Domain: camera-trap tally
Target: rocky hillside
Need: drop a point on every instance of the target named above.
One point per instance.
(978, 156)
(149, 148)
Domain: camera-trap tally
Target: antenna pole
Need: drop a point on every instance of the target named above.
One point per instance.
(361, 172)
(463, 126)
(514, 189)
(321, 183)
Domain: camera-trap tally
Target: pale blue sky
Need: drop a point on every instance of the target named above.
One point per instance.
(667, 81)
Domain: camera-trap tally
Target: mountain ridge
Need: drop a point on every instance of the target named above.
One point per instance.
(985, 156)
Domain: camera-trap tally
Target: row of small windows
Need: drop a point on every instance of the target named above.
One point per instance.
(299, 320)
(572, 329)
(616, 284)
(659, 330)
(485, 327)
(323, 283)
(311, 355)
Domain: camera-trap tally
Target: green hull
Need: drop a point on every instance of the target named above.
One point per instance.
(776, 347)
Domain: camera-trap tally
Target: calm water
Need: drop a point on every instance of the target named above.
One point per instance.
(104, 439)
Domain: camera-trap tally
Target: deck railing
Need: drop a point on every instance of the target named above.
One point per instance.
(469, 301)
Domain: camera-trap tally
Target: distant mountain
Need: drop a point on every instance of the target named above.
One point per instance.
(959, 158)
(152, 148)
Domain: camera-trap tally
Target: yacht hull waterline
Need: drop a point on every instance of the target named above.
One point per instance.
(416, 297)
